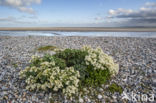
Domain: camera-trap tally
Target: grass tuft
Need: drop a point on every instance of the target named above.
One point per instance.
(46, 48)
(115, 88)
(15, 65)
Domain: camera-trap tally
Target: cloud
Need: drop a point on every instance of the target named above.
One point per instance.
(14, 20)
(21, 5)
(98, 18)
(150, 4)
(119, 11)
(146, 15)
(7, 19)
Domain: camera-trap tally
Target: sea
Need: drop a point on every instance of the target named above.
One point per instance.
(61, 33)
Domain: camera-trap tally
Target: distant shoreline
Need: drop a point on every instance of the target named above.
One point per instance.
(79, 29)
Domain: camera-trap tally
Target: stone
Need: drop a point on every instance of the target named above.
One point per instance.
(81, 100)
(99, 96)
(4, 88)
(88, 100)
(103, 101)
(100, 89)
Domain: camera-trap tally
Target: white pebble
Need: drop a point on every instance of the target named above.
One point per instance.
(89, 100)
(80, 100)
(99, 96)
(101, 90)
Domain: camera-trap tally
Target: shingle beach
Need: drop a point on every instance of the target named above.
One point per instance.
(135, 56)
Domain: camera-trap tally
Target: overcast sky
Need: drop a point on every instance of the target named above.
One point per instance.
(77, 13)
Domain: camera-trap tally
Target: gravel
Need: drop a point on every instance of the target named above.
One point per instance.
(136, 57)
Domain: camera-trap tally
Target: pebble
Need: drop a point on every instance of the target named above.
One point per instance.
(81, 100)
(100, 89)
(99, 96)
(88, 100)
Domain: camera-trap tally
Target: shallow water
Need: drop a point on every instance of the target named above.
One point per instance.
(57, 33)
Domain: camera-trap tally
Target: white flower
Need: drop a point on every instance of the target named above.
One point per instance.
(67, 83)
(99, 60)
(55, 88)
(45, 63)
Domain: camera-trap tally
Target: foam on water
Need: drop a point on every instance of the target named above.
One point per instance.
(57, 33)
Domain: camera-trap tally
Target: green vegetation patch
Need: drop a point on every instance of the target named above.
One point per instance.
(69, 70)
(47, 48)
(115, 88)
(15, 65)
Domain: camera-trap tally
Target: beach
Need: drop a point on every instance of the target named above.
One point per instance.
(81, 29)
(136, 58)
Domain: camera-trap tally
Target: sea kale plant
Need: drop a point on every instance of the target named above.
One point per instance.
(69, 69)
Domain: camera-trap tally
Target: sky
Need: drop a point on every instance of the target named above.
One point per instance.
(77, 13)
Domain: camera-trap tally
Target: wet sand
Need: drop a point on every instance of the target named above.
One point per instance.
(83, 29)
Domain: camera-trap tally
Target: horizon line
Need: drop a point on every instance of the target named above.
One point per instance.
(85, 29)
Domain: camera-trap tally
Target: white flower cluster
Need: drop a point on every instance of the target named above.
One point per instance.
(99, 60)
(48, 76)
